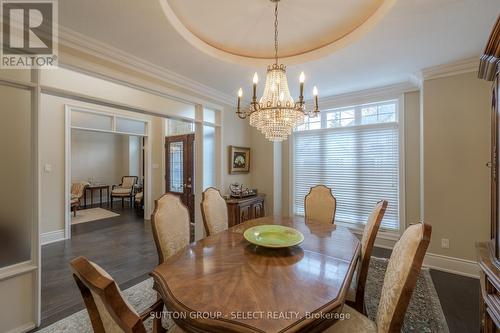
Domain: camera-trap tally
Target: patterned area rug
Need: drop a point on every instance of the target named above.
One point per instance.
(91, 214)
(424, 312)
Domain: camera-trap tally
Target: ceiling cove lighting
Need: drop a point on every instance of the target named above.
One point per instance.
(276, 114)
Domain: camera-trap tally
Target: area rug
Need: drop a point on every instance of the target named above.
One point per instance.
(140, 296)
(424, 312)
(91, 214)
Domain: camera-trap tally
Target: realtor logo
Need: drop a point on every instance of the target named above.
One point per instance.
(29, 34)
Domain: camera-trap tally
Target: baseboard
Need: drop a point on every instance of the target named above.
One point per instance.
(453, 265)
(438, 262)
(52, 236)
(23, 328)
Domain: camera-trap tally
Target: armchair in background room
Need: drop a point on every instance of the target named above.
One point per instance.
(77, 192)
(124, 190)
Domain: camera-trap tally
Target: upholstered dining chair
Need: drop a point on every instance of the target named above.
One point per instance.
(109, 312)
(320, 204)
(124, 190)
(77, 192)
(356, 293)
(170, 223)
(213, 211)
(399, 281)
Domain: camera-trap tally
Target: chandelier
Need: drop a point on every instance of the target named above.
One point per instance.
(276, 114)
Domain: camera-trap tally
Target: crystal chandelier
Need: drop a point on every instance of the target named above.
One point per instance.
(276, 114)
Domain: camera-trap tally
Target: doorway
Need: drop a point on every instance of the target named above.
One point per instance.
(179, 169)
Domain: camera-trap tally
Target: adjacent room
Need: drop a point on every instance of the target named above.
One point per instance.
(106, 168)
(235, 166)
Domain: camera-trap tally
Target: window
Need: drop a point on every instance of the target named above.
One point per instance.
(354, 151)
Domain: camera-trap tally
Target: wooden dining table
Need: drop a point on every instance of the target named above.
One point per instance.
(222, 283)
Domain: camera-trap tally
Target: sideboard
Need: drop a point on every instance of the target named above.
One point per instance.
(244, 209)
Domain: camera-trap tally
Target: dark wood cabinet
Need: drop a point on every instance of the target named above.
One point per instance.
(489, 252)
(241, 210)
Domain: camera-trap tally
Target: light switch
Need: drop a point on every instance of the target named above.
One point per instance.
(47, 168)
(156, 166)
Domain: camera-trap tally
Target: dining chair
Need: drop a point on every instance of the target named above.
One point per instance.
(106, 307)
(400, 278)
(213, 211)
(356, 292)
(320, 204)
(170, 225)
(124, 190)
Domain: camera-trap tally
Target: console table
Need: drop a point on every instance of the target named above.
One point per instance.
(93, 188)
(240, 210)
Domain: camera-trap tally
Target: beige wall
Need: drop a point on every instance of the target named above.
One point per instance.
(456, 128)
(236, 132)
(412, 156)
(157, 155)
(102, 157)
(51, 152)
(262, 165)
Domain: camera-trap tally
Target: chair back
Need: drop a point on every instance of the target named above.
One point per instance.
(213, 211)
(129, 181)
(320, 204)
(401, 276)
(107, 309)
(367, 242)
(170, 224)
(77, 189)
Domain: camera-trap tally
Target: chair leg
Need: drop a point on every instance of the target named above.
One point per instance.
(131, 203)
(123, 202)
(111, 201)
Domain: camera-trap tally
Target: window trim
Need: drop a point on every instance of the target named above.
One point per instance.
(399, 98)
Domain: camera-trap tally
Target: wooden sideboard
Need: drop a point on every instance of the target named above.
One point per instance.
(241, 210)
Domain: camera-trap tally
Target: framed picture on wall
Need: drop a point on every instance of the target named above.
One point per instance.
(239, 160)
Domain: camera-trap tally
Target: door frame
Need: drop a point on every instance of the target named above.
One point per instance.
(68, 108)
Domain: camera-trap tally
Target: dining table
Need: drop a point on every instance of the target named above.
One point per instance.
(223, 283)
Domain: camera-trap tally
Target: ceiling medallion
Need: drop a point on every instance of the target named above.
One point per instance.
(276, 114)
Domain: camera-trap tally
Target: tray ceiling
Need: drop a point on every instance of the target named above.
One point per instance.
(307, 29)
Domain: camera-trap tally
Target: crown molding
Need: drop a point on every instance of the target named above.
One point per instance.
(85, 44)
(367, 95)
(449, 69)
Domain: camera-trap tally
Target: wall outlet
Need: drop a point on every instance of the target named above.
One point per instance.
(445, 243)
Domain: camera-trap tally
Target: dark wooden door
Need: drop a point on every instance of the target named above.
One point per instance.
(179, 156)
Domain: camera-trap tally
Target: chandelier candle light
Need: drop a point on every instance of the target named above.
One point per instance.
(276, 114)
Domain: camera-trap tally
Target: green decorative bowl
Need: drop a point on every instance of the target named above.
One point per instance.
(273, 236)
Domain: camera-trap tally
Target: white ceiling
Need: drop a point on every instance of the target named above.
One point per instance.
(413, 35)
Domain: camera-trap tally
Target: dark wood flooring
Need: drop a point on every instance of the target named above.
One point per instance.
(459, 297)
(124, 247)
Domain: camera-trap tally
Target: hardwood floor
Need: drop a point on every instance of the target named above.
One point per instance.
(124, 247)
(459, 297)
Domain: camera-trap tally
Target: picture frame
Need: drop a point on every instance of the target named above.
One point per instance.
(239, 160)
